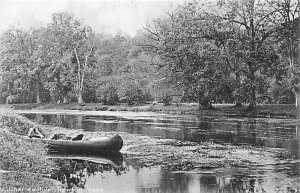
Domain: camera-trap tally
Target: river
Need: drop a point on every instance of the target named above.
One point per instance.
(260, 132)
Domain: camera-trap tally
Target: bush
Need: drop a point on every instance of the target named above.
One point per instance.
(89, 95)
(167, 100)
(110, 99)
(134, 96)
(107, 94)
(72, 97)
(2, 100)
(3, 96)
(281, 93)
(12, 99)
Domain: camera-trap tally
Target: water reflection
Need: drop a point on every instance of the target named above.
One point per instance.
(73, 171)
(132, 178)
(153, 180)
(98, 173)
(108, 174)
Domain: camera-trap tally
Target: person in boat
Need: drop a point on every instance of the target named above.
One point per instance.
(60, 136)
(35, 133)
(65, 137)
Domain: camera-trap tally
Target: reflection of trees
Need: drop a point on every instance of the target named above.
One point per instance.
(201, 133)
(208, 183)
(236, 183)
(297, 143)
(73, 173)
(247, 132)
(209, 131)
(239, 133)
(179, 183)
(252, 131)
(58, 121)
(79, 121)
(38, 118)
(55, 120)
(88, 125)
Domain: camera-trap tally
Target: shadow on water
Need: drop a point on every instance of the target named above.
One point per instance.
(74, 170)
(103, 177)
(130, 178)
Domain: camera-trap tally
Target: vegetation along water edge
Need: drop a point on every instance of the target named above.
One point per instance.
(26, 162)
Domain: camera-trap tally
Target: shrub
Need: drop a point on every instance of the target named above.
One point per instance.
(167, 100)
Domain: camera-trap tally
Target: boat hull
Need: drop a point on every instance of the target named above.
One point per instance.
(113, 144)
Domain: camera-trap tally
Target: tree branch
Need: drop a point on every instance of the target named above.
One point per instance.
(78, 71)
(85, 64)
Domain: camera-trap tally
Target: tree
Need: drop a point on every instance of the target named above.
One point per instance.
(183, 41)
(22, 63)
(59, 34)
(136, 77)
(256, 21)
(83, 49)
(124, 71)
(288, 39)
(72, 48)
(111, 57)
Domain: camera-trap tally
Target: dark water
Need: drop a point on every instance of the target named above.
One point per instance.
(277, 133)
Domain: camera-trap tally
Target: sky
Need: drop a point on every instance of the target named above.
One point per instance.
(102, 15)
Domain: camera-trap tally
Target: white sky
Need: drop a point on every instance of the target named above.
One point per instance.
(102, 15)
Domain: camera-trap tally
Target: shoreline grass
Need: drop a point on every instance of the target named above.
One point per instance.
(22, 163)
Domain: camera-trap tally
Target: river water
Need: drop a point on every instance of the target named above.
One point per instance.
(127, 177)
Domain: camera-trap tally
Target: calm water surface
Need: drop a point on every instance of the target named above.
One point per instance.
(276, 133)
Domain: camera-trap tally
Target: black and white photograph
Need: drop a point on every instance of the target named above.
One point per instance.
(149, 96)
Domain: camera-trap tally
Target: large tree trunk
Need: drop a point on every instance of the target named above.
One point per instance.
(297, 96)
(252, 104)
(297, 89)
(251, 65)
(65, 90)
(204, 102)
(238, 103)
(65, 98)
(199, 100)
(238, 97)
(80, 99)
(38, 93)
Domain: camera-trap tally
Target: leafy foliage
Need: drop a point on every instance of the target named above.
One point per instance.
(222, 51)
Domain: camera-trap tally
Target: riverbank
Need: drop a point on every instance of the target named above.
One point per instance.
(149, 151)
(143, 151)
(262, 110)
(23, 164)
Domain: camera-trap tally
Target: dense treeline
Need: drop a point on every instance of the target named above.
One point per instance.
(211, 52)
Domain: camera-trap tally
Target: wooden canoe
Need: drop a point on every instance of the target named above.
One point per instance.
(113, 144)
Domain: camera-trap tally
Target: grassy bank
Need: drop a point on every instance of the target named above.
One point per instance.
(23, 164)
(262, 110)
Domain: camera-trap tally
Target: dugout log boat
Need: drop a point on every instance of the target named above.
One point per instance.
(99, 146)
